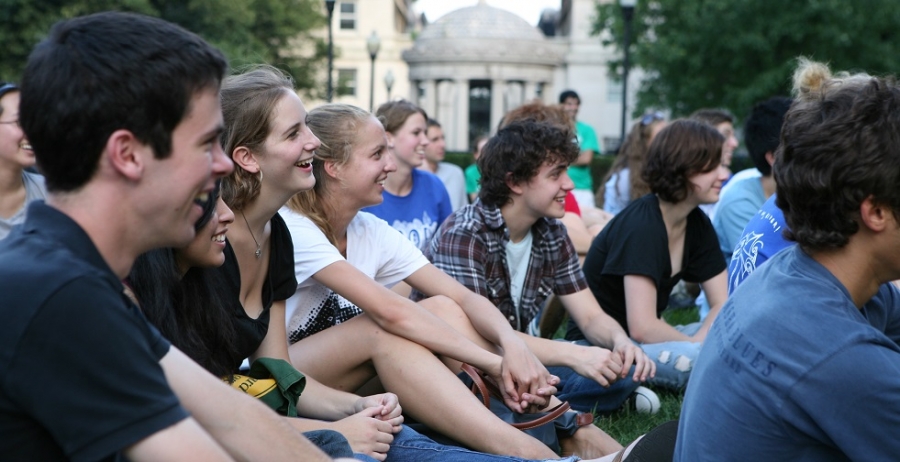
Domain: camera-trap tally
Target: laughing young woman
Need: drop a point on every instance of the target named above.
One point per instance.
(346, 260)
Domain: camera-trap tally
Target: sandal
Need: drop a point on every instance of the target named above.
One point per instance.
(657, 445)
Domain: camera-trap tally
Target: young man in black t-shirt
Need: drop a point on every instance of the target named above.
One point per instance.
(124, 116)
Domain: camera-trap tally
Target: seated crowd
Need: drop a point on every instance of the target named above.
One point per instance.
(209, 271)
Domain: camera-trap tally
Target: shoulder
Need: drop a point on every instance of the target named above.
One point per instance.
(450, 168)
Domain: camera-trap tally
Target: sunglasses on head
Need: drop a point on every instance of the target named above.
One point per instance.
(651, 117)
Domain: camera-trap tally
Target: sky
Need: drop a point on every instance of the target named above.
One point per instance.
(530, 10)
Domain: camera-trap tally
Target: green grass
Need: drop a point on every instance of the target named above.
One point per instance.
(626, 424)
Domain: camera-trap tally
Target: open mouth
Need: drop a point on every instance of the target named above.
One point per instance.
(219, 237)
(25, 146)
(305, 163)
(202, 198)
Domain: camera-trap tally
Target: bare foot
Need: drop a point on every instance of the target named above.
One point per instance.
(589, 442)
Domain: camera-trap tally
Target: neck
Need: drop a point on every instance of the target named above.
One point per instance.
(12, 192)
(518, 221)
(675, 215)
(11, 180)
(339, 214)
(768, 185)
(400, 182)
(108, 224)
(857, 270)
(430, 166)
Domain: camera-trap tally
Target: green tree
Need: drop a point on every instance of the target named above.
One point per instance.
(731, 54)
(277, 32)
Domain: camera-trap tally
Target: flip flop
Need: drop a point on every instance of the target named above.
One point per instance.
(657, 445)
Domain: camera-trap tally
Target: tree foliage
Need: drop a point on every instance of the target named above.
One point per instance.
(732, 54)
(277, 32)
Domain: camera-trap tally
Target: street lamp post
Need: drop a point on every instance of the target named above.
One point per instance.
(627, 15)
(389, 82)
(329, 6)
(373, 44)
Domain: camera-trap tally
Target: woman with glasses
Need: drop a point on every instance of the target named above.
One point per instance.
(623, 182)
(18, 187)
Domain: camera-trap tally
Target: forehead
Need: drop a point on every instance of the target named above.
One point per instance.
(204, 109)
(725, 128)
(10, 101)
(288, 110)
(571, 100)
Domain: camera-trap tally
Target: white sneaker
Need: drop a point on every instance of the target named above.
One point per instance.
(645, 401)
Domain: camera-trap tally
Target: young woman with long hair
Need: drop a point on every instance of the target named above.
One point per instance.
(624, 183)
(346, 260)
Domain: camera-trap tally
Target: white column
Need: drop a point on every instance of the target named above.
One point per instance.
(515, 96)
(498, 103)
(530, 91)
(429, 102)
(459, 141)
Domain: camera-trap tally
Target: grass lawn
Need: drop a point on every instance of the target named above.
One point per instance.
(626, 424)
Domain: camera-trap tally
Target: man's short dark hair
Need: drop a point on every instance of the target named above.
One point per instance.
(839, 146)
(431, 123)
(568, 94)
(679, 151)
(763, 130)
(517, 152)
(104, 72)
(712, 116)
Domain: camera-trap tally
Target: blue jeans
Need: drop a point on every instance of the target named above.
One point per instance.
(674, 360)
(586, 395)
(330, 442)
(411, 446)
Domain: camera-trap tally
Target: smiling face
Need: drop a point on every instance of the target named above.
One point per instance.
(362, 176)
(706, 186)
(409, 141)
(207, 250)
(14, 148)
(174, 187)
(731, 142)
(286, 162)
(544, 195)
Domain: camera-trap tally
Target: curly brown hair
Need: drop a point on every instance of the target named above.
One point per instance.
(681, 150)
(838, 148)
(517, 152)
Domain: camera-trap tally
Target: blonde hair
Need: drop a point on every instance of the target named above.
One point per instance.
(336, 126)
(248, 106)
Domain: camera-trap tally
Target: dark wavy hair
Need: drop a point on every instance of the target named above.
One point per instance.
(681, 150)
(517, 152)
(838, 147)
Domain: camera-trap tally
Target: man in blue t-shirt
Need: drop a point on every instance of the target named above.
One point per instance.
(741, 199)
(802, 363)
(123, 114)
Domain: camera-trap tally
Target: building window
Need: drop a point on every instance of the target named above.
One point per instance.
(346, 82)
(348, 15)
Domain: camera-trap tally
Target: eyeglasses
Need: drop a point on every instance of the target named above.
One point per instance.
(651, 117)
(12, 122)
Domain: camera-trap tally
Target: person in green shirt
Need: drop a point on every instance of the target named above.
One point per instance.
(580, 170)
(473, 176)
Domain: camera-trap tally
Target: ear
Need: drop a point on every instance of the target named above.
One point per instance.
(515, 188)
(245, 159)
(770, 158)
(874, 216)
(127, 156)
(390, 139)
(331, 169)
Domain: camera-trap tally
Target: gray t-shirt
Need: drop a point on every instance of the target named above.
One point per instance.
(34, 190)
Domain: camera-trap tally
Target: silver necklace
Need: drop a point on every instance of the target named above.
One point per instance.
(258, 252)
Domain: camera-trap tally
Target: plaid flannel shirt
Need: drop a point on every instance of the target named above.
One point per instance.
(470, 246)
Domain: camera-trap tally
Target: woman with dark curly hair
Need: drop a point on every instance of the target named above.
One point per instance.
(658, 240)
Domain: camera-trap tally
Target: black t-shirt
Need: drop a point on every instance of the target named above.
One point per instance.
(79, 364)
(280, 284)
(635, 242)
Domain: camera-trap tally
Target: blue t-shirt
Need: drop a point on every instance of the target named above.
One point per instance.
(417, 214)
(736, 207)
(793, 370)
(762, 238)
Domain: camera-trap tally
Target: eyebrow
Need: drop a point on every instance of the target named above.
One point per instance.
(213, 134)
(291, 128)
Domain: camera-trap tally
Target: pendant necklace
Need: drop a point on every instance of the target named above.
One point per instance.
(258, 252)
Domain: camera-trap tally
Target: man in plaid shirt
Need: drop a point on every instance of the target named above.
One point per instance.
(510, 247)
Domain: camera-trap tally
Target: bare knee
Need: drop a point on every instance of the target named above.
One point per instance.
(445, 308)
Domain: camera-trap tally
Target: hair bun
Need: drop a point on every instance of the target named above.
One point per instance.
(809, 78)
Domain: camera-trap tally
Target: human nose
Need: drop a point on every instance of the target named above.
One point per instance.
(222, 164)
(423, 140)
(390, 165)
(226, 215)
(567, 183)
